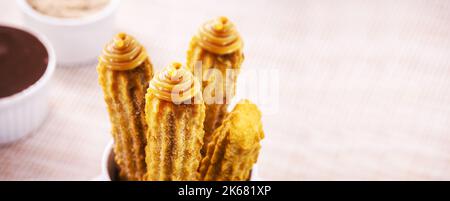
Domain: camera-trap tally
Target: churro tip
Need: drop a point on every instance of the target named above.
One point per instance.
(220, 23)
(119, 40)
(223, 19)
(176, 65)
(122, 35)
(119, 43)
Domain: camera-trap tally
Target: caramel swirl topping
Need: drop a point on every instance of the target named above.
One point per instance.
(123, 53)
(175, 84)
(219, 36)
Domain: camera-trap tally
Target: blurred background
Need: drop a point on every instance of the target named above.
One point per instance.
(364, 88)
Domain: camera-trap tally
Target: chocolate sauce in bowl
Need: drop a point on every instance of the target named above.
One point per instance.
(23, 60)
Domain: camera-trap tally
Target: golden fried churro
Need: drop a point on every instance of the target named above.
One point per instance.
(124, 73)
(235, 145)
(175, 113)
(217, 45)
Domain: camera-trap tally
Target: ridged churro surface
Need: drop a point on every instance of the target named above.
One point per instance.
(235, 145)
(217, 46)
(175, 134)
(124, 73)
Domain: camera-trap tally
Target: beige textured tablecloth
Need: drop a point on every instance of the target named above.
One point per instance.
(364, 89)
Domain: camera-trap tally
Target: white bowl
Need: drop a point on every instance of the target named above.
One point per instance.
(24, 112)
(109, 168)
(77, 40)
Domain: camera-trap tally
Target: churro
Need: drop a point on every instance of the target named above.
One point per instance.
(235, 145)
(217, 46)
(124, 73)
(175, 113)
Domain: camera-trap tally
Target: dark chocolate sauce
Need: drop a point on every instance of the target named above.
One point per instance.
(23, 60)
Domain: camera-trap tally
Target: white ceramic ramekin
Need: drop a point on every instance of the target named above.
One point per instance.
(24, 112)
(76, 41)
(109, 169)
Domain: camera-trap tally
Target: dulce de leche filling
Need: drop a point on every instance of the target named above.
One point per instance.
(175, 84)
(219, 36)
(123, 53)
